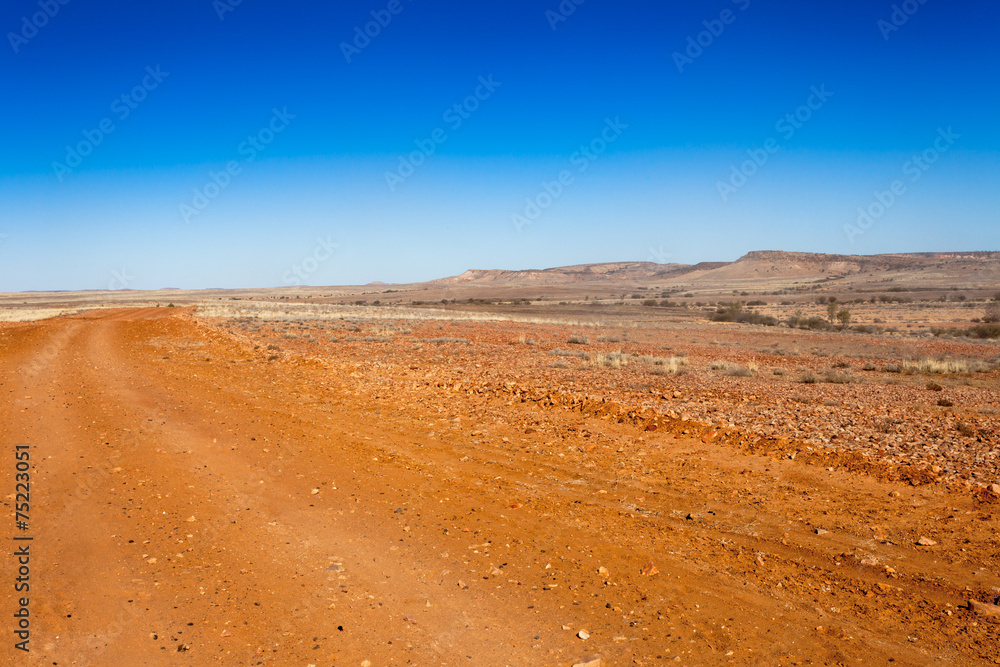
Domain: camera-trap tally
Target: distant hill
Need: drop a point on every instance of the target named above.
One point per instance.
(580, 273)
(756, 266)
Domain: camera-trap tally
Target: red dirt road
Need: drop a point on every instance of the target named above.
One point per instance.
(194, 503)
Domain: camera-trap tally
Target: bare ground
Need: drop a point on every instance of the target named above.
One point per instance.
(200, 499)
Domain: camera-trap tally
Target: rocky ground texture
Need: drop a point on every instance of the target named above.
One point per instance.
(370, 492)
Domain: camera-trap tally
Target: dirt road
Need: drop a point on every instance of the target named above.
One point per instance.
(195, 502)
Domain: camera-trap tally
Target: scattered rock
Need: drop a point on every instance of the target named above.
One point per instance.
(589, 662)
(583, 634)
(989, 612)
(926, 542)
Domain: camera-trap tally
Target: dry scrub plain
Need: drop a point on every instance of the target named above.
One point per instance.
(370, 486)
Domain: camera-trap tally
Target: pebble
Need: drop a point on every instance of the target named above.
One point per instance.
(990, 612)
(589, 662)
(820, 531)
(583, 634)
(926, 542)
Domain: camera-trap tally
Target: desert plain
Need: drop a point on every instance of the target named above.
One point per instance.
(599, 465)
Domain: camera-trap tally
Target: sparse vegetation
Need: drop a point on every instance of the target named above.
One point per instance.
(735, 312)
(611, 359)
(732, 369)
(838, 378)
(567, 353)
(664, 365)
(945, 367)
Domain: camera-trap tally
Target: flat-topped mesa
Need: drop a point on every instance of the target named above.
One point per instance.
(579, 273)
(941, 268)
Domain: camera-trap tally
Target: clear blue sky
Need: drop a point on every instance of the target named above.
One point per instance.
(322, 128)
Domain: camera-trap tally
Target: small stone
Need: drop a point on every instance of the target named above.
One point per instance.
(462, 584)
(191, 518)
(589, 662)
(583, 634)
(315, 491)
(926, 542)
(566, 627)
(366, 663)
(994, 489)
(649, 569)
(821, 531)
(870, 562)
(989, 612)
(603, 571)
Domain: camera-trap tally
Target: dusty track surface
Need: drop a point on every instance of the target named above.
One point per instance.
(195, 503)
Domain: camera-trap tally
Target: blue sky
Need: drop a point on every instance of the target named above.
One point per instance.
(269, 144)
